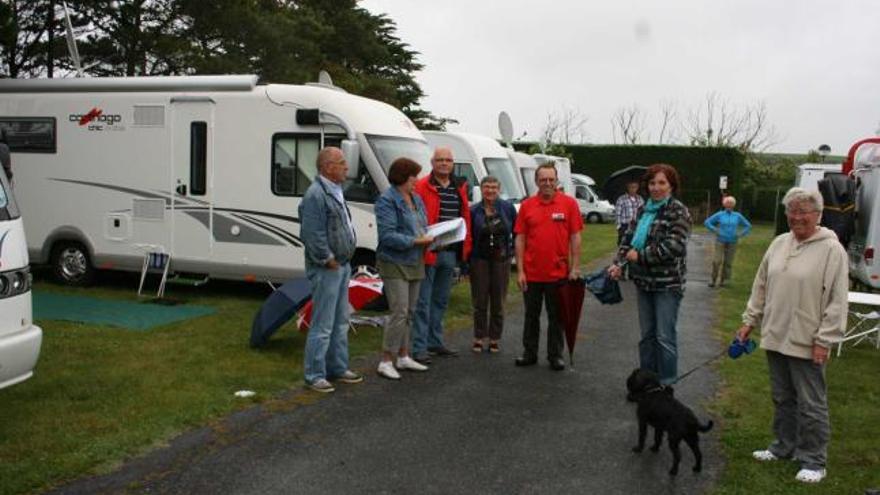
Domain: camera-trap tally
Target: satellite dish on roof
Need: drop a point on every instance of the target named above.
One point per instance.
(324, 78)
(505, 126)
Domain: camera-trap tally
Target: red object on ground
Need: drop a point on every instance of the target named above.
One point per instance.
(362, 290)
(571, 301)
(548, 226)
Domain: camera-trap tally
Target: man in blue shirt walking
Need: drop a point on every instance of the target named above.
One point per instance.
(725, 225)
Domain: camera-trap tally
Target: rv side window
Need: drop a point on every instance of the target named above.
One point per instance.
(581, 193)
(30, 134)
(293, 163)
(198, 158)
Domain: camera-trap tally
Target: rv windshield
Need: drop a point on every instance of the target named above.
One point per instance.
(388, 149)
(503, 169)
(8, 209)
(528, 175)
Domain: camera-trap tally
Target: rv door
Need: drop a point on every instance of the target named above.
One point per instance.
(192, 151)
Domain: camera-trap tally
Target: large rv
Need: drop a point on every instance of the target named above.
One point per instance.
(20, 339)
(208, 170)
(478, 156)
(863, 165)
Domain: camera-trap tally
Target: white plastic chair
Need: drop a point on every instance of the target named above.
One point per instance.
(858, 331)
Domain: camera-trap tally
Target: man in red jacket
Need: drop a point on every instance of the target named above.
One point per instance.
(548, 247)
(445, 198)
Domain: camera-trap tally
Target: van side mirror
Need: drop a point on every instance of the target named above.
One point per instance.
(352, 152)
(476, 195)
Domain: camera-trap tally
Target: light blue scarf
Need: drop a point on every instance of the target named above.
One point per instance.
(644, 226)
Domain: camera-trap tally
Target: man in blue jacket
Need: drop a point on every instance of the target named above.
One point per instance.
(725, 225)
(329, 239)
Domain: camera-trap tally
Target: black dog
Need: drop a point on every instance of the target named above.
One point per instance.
(658, 408)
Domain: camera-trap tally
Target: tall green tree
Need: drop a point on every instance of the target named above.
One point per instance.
(31, 38)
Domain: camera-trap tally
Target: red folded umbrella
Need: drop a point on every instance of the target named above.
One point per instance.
(571, 301)
(362, 290)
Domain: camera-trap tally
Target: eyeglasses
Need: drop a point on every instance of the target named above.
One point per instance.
(800, 213)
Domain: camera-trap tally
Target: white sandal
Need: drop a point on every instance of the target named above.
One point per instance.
(764, 456)
(810, 475)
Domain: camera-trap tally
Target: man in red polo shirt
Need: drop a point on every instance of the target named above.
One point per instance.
(548, 246)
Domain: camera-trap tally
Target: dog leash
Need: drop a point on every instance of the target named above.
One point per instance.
(713, 358)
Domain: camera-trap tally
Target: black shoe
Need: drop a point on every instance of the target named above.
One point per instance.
(422, 359)
(526, 360)
(442, 351)
(557, 364)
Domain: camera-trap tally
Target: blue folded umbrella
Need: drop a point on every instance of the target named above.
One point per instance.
(278, 309)
(605, 288)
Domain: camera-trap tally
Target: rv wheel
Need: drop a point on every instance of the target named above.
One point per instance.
(71, 264)
(594, 218)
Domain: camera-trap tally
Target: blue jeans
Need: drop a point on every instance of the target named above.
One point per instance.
(326, 354)
(427, 328)
(658, 348)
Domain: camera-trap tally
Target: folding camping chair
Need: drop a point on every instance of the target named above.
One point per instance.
(866, 326)
(155, 262)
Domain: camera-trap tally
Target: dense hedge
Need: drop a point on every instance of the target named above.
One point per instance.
(699, 167)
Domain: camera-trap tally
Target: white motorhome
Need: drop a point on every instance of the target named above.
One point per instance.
(808, 175)
(476, 157)
(865, 241)
(207, 169)
(594, 209)
(563, 168)
(20, 339)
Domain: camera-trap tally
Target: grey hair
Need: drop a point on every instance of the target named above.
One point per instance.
(729, 198)
(490, 179)
(801, 195)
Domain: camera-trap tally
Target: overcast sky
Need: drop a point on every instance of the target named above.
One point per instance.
(814, 63)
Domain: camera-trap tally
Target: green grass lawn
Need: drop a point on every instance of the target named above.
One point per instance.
(745, 408)
(101, 394)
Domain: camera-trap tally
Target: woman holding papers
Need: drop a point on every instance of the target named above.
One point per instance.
(400, 218)
(492, 222)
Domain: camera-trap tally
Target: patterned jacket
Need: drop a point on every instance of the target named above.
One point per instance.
(662, 264)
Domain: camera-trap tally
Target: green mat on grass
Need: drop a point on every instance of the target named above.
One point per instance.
(123, 314)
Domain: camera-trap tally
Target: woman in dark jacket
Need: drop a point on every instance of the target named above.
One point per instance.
(655, 248)
(492, 221)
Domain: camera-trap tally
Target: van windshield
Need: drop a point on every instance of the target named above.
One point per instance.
(503, 169)
(8, 208)
(388, 149)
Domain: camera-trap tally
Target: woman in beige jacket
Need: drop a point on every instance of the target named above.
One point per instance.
(799, 299)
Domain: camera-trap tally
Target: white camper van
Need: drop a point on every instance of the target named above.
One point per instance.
(20, 339)
(808, 175)
(563, 168)
(209, 170)
(865, 241)
(593, 208)
(476, 157)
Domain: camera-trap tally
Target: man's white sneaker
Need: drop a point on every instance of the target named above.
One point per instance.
(321, 385)
(764, 455)
(386, 370)
(810, 475)
(408, 363)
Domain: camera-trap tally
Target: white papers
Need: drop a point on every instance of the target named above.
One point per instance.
(448, 232)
